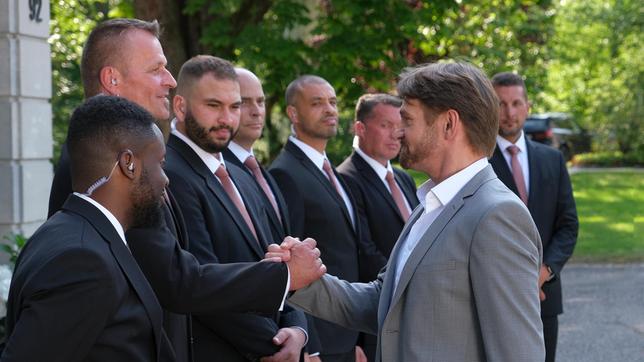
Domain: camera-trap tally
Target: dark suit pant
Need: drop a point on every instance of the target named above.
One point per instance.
(341, 357)
(550, 331)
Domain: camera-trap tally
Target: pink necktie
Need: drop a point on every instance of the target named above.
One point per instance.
(253, 166)
(326, 166)
(517, 173)
(223, 177)
(397, 195)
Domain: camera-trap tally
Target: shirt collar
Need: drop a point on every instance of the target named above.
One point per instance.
(316, 157)
(240, 152)
(504, 144)
(429, 193)
(212, 160)
(112, 219)
(380, 170)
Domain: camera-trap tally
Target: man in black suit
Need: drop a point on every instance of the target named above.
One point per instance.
(179, 281)
(385, 196)
(538, 174)
(319, 202)
(240, 153)
(374, 183)
(224, 212)
(77, 292)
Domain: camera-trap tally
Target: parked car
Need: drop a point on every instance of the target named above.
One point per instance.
(559, 130)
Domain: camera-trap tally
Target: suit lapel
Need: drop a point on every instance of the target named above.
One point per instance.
(217, 190)
(429, 237)
(503, 170)
(388, 282)
(534, 173)
(281, 203)
(372, 178)
(125, 260)
(321, 177)
(230, 157)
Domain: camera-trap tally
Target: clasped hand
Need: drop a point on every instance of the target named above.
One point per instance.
(302, 258)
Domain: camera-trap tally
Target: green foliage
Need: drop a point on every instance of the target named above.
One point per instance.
(15, 245)
(71, 23)
(609, 159)
(597, 71)
(611, 216)
(362, 45)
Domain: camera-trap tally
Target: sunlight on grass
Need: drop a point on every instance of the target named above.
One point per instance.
(590, 219)
(611, 216)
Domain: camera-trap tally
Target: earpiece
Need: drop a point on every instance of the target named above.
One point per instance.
(113, 81)
(130, 167)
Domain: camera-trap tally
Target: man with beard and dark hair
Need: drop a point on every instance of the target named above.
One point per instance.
(538, 175)
(224, 213)
(461, 281)
(77, 293)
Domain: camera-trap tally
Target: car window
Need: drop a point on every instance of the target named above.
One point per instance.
(533, 125)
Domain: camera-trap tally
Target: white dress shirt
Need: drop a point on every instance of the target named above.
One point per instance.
(318, 160)
(381, 171)
(211, 160)
(522, 156)
(433, 197)
(240, 152)
(112, 219)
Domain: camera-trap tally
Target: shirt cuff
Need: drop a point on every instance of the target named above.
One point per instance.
(306, 334)
(288, 286)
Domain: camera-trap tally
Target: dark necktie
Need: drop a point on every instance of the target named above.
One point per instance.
(397, 195)
(326, 166)
(224, 178)
(517, 173)
(253, 166)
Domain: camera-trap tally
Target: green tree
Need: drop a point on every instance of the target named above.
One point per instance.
(358, 45)
(597, 71)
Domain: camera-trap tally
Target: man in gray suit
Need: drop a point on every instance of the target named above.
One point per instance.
(462, 281)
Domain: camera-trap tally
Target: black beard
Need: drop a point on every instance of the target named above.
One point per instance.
(147, 215)
(146, 211)
(199, 135)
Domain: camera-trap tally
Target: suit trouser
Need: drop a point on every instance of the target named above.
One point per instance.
(550, 331)
(341, 357)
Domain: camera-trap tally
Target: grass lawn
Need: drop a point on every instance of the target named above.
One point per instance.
(610, 206)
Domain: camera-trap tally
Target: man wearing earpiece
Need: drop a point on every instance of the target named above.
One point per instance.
(180, 283)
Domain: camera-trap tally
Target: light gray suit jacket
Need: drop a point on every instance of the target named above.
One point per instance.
(468, 292)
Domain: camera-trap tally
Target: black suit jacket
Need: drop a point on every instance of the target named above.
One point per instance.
(180, 282)
(553, 210)
(177, 326)
(279, 229)
(219, 234)
(78, 295)
(317, 211)
(381, 222)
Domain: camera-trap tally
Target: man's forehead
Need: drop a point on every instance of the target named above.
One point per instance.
(317, 90)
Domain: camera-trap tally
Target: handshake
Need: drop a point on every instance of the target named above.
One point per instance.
(302, 258)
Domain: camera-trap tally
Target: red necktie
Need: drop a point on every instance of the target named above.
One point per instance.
(517, 173)
(397, 195)
(223, 177)
(253, 166)
(326, 166)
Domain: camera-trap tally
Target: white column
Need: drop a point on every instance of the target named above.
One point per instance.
(25, 115)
